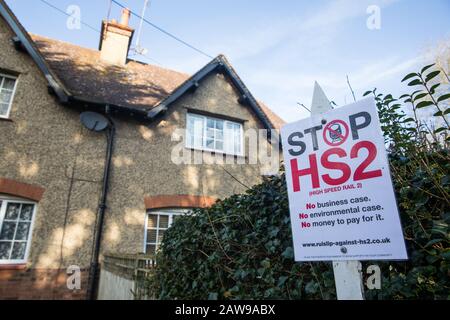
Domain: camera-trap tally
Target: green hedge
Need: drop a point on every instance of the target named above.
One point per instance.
(241, 247)
(425, 216)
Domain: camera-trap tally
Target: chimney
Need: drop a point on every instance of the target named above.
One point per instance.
(116, 39)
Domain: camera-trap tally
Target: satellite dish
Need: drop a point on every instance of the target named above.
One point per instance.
(94, 121)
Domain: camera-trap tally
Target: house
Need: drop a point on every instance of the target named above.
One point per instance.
(52, 168)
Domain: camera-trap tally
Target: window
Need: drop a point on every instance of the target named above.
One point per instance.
(16, 222)
(7, 88)
(156, 225)
(212, 134)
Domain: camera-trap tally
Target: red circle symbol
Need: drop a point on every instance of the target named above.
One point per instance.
(335, 133)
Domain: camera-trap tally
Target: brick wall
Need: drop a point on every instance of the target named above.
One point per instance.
(39, 284)
(178, 201)
(20, 189)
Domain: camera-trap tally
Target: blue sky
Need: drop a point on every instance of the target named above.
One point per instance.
(278, 47)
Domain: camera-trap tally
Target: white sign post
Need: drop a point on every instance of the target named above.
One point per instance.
(341, 198)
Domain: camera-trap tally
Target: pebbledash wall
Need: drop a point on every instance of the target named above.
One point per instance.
(47, 156)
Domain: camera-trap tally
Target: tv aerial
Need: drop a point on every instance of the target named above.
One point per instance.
(138, 48)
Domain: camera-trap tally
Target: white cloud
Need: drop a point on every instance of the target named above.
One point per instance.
(312, 29)
(340, 10)
(385, 69)
(297, 49)
(282, 90)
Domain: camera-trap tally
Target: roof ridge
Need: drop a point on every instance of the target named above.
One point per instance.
(261, 103)
(33, 35)
(272, 117)
(145, 64)
(276, 122)
(72, 77)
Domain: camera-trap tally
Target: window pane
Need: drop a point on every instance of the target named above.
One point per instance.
(151, 235)
(237, 148)
(175, 217)
(151, 249)
(27, 212)
(210, 123)
(237, 139)
(163, 221)
(233, 136)
(5, 96)
(210, 133)
(4, 109)
(194, 131)
(8, 230)
(210, 144)
(18, 252)
(190, 141)
(22, 231)
(161, 235)
(15, 230)
(198, 126)
(9, 84)
(219, 135)
(198, 142)
(237, 131)
(12, 211)
(219, 145)
(190, 136)
(152, 220)
(190, 130)
(5, 248)
(190, 122)
(219, 124)
(229, 145)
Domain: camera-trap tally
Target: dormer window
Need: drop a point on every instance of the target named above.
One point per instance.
(214, 134)
(7, 89)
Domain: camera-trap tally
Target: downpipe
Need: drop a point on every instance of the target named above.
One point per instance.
(94, 266)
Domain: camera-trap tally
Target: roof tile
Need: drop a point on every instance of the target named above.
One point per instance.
(135, 85)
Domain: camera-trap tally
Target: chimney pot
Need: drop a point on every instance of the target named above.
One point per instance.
(116, 39)
(125, 17)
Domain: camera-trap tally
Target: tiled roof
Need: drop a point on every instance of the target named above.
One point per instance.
(135, 85)
(273, 117)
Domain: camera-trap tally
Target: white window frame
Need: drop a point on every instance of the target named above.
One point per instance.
(167, 212)
(5, 201)
(204, 136)
(16, 80)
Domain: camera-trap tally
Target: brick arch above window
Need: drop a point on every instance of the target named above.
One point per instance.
(178, 201)
(20, 189)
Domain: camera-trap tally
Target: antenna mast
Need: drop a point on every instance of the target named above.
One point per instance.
(138, 49)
